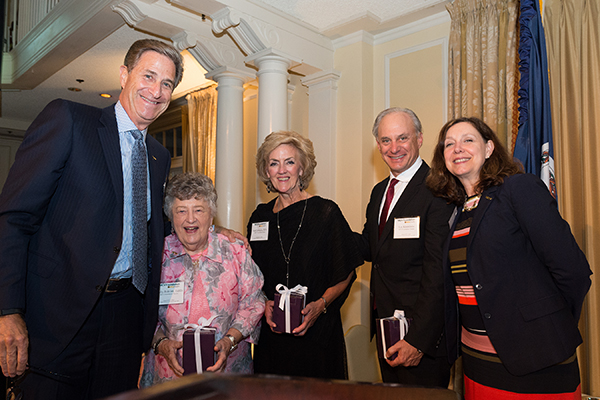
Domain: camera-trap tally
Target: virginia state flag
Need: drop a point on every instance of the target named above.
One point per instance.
(533, 146)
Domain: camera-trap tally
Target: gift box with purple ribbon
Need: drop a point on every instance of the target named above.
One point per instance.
(389, 331)
(198, 348)
(289, 303)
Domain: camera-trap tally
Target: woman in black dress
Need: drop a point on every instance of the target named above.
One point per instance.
(301, 239)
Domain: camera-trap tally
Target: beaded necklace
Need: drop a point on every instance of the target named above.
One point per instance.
(287, 258)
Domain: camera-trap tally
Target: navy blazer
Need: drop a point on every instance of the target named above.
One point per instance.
(529, 275)
(407, 274)
(61, 222)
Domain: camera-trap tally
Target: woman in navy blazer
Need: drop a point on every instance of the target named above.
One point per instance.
(515, 279)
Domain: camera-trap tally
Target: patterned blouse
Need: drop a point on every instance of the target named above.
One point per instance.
(223, 282)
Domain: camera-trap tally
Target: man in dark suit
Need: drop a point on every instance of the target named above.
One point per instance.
(403, 236)
(81, 237)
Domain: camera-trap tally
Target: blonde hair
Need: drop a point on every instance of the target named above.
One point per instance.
(306, 154)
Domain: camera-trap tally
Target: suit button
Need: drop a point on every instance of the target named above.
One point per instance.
(375, 266)
(99, 288)
(478, 286)
(116, 249)
(487, 315)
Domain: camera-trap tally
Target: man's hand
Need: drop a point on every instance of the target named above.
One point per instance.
(407, 355)
(14, 343)
(233, 236)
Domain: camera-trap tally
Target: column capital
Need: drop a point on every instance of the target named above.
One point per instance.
(329, 78)
(228, 72)
(275, 55)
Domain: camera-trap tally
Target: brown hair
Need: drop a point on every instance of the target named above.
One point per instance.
(498, 166)
(141, 46)
(306, 154)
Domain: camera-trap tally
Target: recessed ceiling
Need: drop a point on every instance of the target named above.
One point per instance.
(326, 15)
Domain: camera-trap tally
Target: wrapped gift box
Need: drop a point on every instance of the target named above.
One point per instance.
(297, 304)
(207, 350)
(390, 331)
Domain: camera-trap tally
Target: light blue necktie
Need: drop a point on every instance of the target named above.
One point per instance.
(139, 200)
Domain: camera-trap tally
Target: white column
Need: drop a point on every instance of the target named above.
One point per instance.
(273, 77)
(322, 128)
(229, 164)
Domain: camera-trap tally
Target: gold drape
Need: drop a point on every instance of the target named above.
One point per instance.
(573, 38)
(483, 74)
(201, 132)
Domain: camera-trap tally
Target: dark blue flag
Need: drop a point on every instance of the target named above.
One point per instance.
(533, 146)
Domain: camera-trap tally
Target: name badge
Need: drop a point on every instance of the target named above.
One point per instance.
(170, 293)
(260, 231)
(406, 228)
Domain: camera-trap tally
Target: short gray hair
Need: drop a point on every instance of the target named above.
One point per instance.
(190, 185)
(393, 110)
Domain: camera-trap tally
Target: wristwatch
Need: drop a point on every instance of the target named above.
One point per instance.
(233, 343)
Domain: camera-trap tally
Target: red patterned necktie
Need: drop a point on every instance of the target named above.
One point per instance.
(386, 207)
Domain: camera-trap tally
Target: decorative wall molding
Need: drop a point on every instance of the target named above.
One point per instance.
(329, 78)
(356, 37)
(443, 42)
(129, 12)
(413, 27)
(229, 21)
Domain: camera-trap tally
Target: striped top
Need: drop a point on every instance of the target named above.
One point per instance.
(474, 335)
(485, 375)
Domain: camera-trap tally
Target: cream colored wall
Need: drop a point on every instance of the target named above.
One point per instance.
(409, 71)
(355, 159)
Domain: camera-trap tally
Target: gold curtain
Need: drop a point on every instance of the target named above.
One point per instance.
(200, 132)
(483, 70)
(573, 39)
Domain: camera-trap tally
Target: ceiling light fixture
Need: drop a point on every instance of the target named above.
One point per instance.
(74, 89)
(105, 95)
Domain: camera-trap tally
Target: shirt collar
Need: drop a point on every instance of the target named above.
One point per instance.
(124, 123)
(407, 175)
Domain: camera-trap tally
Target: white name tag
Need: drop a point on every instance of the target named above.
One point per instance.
(170, 293)
(260, 231)
(406, 228)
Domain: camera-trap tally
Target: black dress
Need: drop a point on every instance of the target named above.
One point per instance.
(323, 255)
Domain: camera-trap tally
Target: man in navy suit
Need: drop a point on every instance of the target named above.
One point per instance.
(403, 236)
(74, 320)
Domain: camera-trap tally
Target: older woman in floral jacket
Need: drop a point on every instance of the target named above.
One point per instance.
(219, 281)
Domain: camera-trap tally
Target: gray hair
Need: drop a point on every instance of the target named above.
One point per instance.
(411, 114)
(190, 185)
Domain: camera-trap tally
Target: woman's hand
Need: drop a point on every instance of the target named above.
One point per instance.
(222, 348)
(311, 312)
(269, 304)
(168, 349)
(232, 236)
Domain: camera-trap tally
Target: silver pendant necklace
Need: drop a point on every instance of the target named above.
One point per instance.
(287, 258)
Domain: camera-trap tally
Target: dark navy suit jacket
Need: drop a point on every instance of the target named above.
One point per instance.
(61, 220)
(529, 275)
